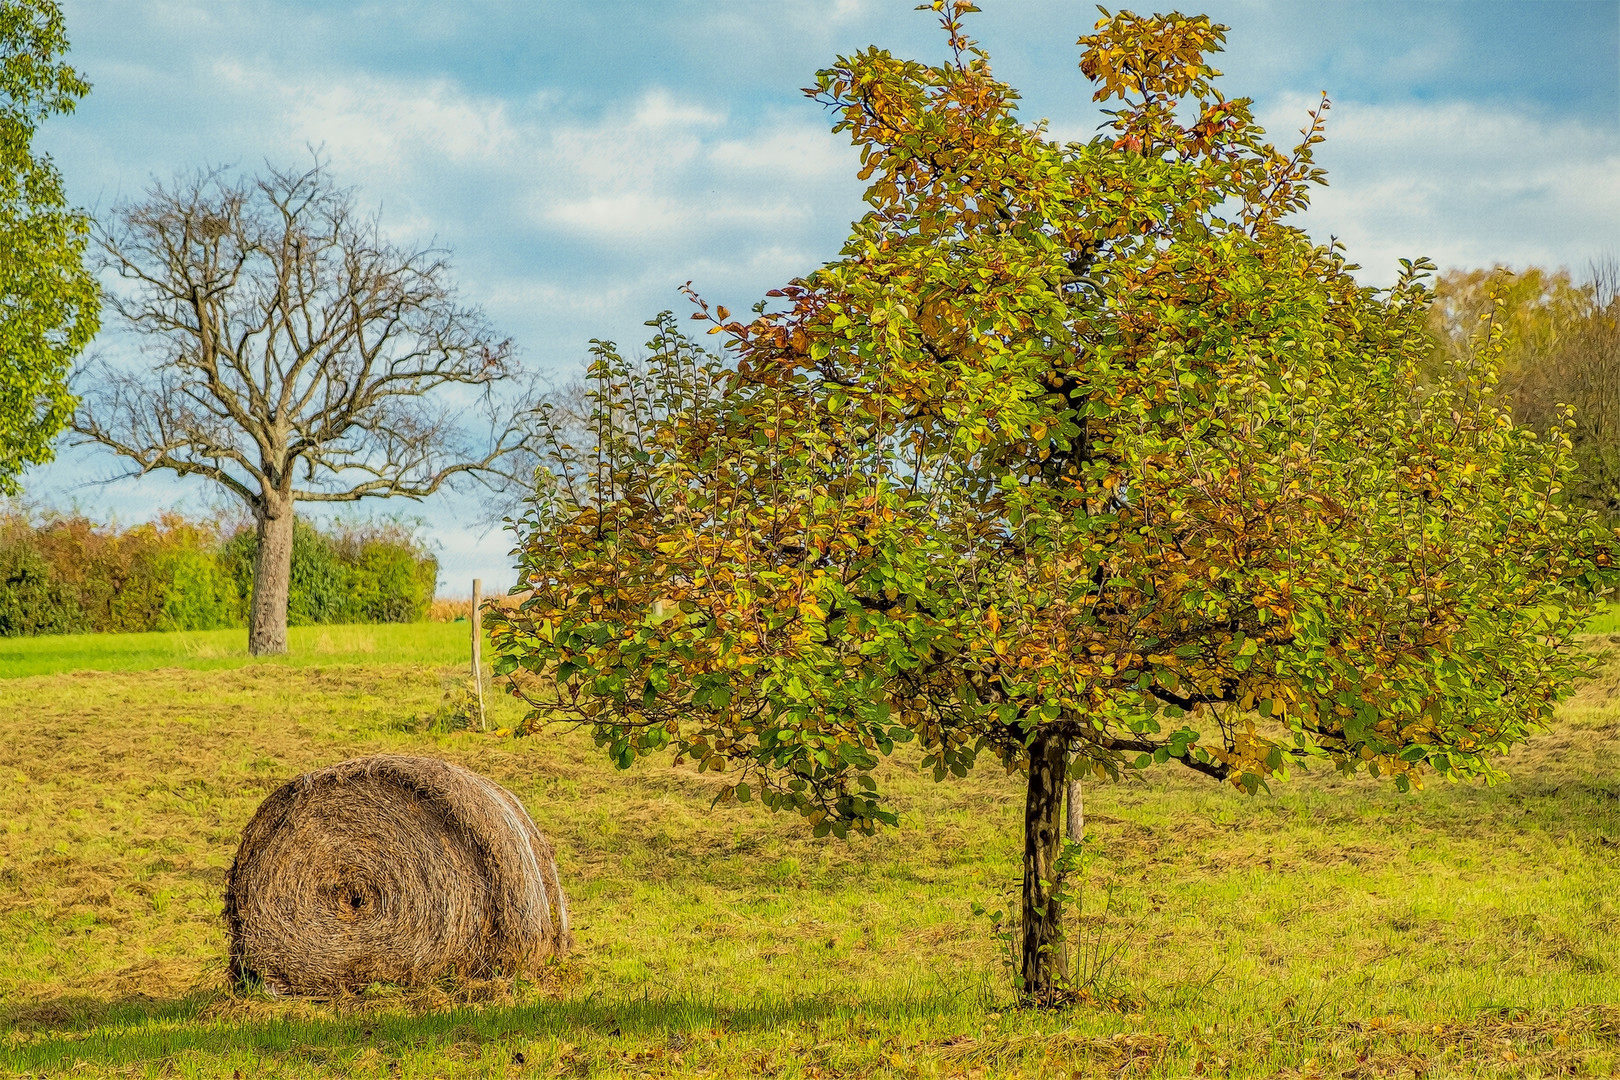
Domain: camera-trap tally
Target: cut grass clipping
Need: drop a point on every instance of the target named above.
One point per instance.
(391, 869)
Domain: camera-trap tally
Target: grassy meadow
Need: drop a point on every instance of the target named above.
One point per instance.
(1331, 928)
(206, 650)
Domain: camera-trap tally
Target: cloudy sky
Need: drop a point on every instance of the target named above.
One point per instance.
(583, 159)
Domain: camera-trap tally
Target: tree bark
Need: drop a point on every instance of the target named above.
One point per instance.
(1074, 805)
(1074, 814)
(272, 579)
(1042, 919)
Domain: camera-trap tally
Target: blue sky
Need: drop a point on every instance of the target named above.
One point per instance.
(583, 159)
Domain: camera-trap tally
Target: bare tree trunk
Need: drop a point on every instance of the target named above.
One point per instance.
(1074, 814)
(272, 579)
(1073, 807)
(1042, 919)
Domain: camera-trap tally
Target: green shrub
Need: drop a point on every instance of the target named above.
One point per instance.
(320, 590)
(201, 593)
(67, 573)
(392, 580)
(97, 565)
(236, 563)
(32, 600)
(367, 574)
(133, 564)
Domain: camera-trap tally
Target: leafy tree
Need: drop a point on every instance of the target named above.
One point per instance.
(1560, 344)
(1079, 456)
(49, 308)
(1530, 310)
(297, 356)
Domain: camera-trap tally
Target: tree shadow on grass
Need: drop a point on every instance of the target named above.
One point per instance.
(1581, 809)
(69, 1033)
(80, 1012)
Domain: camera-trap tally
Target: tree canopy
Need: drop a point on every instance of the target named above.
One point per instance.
(1081, 456)
(49, 309)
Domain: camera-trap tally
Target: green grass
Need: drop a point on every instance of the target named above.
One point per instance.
(1334, 928)
(203, 650)
(1606, 621)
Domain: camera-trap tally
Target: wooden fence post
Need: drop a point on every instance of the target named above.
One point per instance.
(478, 649)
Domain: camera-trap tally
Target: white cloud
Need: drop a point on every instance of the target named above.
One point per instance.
(657, 169)
(379, 121)
(794, 149)
(625, 215)
(671, 172)
(1465, 184)
(656, 136)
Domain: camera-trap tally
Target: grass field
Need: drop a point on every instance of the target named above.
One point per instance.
(207, 650)
(1606, 621)
(1333, 928)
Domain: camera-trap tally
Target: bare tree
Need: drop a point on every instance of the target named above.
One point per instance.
(294, 355)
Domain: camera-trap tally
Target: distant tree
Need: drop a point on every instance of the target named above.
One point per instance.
(1079, 456)
(1560, 345)
(48, 303)
(296, 356)
(1581, 369)
(1528, 310)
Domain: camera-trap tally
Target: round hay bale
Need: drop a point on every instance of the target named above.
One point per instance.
(391, 869)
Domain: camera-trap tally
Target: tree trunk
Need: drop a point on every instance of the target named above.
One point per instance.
(1074, 806)
(1043, 830)
(272, 580)
(1074, 813)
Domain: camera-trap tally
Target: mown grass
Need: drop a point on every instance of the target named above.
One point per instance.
(1606, 621)
(1332, 928)
(209, 650)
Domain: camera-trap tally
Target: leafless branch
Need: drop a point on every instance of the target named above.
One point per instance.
(294, 353)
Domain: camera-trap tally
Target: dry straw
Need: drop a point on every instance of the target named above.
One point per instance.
(391, 869)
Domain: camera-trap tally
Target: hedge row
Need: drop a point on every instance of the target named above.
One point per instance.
(63, 575)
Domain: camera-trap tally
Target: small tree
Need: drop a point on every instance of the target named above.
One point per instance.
(48, 303)
(296, 356)
(1079, 456)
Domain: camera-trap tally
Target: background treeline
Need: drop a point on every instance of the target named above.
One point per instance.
(1561, 346)
(63, 574)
